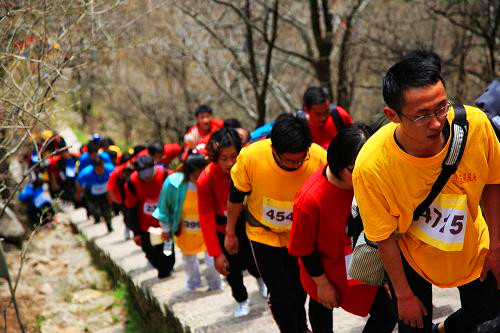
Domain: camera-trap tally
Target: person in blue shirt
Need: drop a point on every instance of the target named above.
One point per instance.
(38, 201)
(92, 181)
(92, 154)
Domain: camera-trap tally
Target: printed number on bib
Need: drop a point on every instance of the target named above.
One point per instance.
(149, 207)
(191, 225)
(443, 224)
(98, 189)
(277, 214)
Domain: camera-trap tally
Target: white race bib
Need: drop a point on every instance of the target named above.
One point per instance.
(149, 207)
(443, 224)
(42, 198)
(98, 189)
(70, 171)
(277, 214)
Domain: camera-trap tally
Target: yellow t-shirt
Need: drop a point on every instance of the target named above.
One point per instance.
(190, 240)
(448, 244)
(272, 190)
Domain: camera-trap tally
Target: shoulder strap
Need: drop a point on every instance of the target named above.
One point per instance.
(337, 119)
(459, 131)
(131, 186)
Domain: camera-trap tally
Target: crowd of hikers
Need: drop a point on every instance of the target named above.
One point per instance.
(303, 200)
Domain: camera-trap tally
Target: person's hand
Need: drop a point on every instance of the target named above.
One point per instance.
(221, 264)
(328, 295)
(165, 236)
(492, 264)
(231, 243)
(411, 310)
(137, 240)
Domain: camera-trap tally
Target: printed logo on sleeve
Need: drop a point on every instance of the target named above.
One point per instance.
(443, 224)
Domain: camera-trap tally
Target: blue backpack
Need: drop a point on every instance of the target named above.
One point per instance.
(264, 131)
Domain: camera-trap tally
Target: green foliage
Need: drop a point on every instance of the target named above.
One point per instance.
(134, 322)
(40, 319)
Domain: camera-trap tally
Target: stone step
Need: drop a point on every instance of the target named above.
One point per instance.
(206, 311)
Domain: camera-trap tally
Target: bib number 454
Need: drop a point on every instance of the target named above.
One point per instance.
(279, 216)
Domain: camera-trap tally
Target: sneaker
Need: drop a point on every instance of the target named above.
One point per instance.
(242, 309)
(262, 287)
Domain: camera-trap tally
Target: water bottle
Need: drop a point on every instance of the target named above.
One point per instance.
(167, 248)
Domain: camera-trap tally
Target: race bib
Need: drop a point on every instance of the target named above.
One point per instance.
(191, 225)
(98, 189)
(443, 224)
(70, 171)
(277, 214)
(42, 198)
(149, 207)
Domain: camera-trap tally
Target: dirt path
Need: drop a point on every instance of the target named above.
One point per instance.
(60, 290)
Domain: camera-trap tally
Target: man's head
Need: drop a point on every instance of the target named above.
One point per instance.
(93, 149)
(290, 139)
(155, 150)
(316, 105)
(145, 167)
(344, 149)
(415, 95)
(98, 165)
(203, 114)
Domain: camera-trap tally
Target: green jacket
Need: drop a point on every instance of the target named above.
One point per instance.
(171, 201)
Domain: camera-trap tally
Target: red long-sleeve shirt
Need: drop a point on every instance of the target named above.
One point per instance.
(213, 193)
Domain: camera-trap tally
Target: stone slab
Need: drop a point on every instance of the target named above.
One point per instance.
(204, 311)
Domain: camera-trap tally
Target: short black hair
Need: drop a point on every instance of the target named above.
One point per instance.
(155, 147)
(92, 147)
(418, 69)
(290, 134)
(223, 138)
(138, 149)
(203, 108)
(193, 163)
(345, 147)
(232, 122)
(314, 95)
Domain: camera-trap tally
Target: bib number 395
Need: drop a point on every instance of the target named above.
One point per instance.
(443, 224)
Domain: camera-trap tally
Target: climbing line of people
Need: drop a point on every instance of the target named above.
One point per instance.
(276, 203)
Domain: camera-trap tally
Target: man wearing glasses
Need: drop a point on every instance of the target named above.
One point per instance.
(451, 244)
(269, 173)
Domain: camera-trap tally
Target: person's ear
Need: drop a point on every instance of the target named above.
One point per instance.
(392, 115)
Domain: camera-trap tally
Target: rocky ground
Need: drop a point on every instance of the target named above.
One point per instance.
(60, 290)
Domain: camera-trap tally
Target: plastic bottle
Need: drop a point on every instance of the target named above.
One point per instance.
(167, 248)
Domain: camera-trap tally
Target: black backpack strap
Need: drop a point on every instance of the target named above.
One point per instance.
(131, 187)
(456, 149)
(337, 119)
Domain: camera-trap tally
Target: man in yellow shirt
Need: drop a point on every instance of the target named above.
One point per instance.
(451, 244)
(270, 173)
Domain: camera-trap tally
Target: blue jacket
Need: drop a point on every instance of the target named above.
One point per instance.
(171, 201)
(36, 196)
